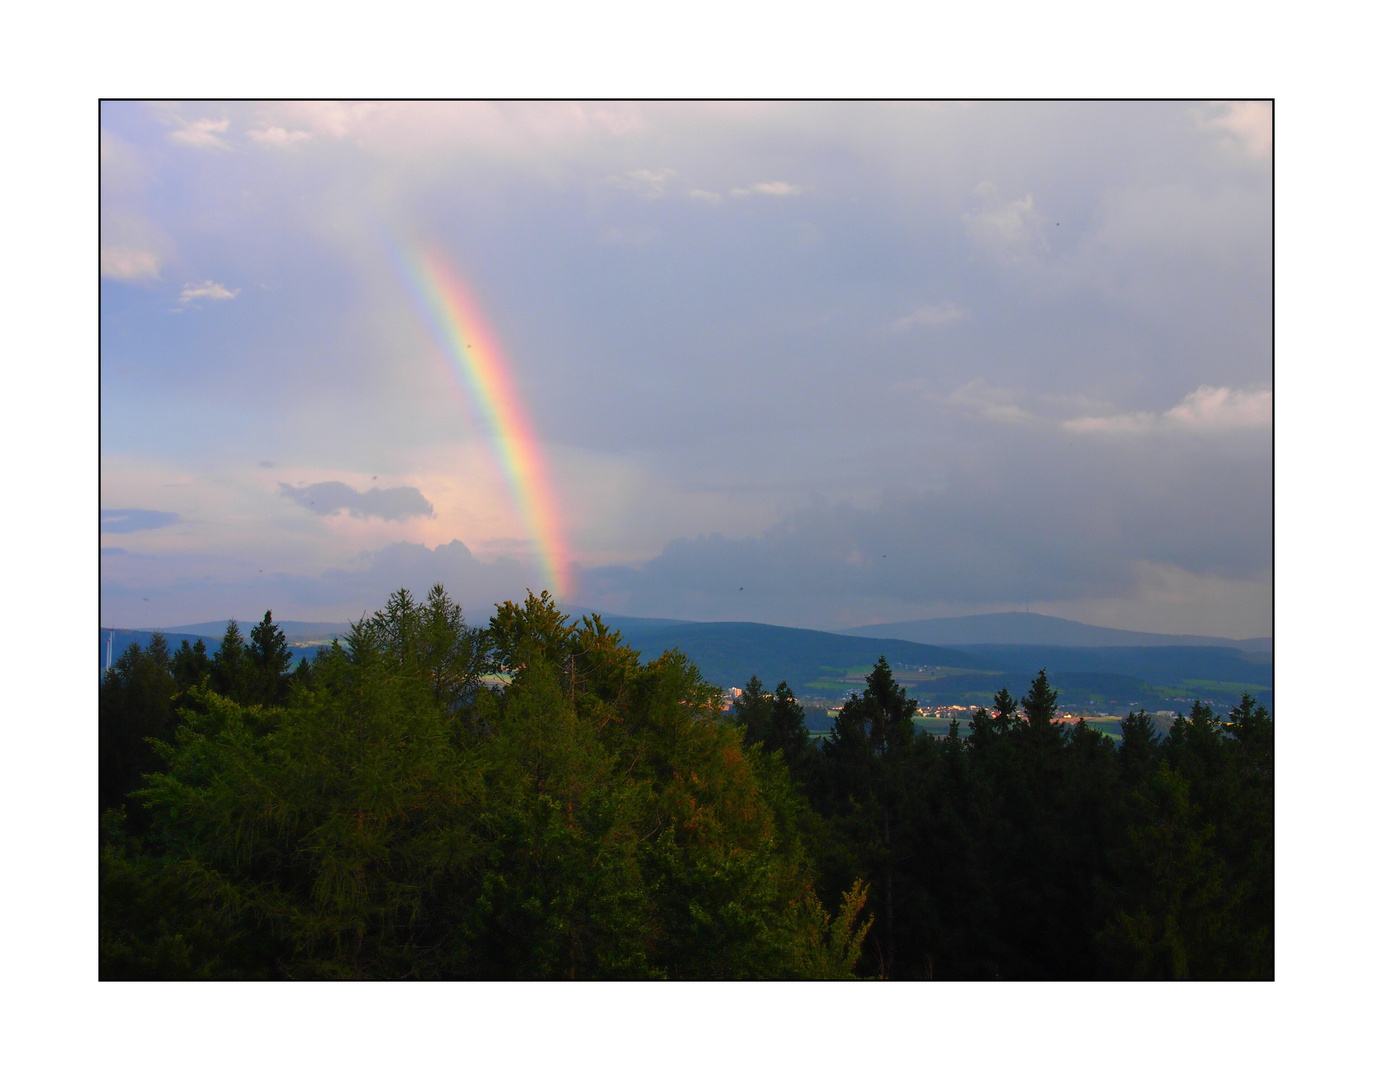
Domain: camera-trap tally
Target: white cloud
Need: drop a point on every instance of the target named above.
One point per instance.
(1206, 409)
(202, 134)
(278, 136)
(1218, 408)
(989, 402)
(646, 183)
(1248, 122)
(928, 315)
(206, 290)
(534, 133)
(767, 187)
(128, 264)
(1012, 229)
(706, 196)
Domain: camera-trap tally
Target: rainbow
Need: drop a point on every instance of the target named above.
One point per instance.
(474, 356)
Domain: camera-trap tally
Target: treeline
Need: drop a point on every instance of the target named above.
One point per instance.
(1026, 849)
(383, 813)
(392, 811)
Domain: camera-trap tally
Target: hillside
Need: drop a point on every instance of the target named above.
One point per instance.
(826, 667)
(823, 666)
(1028, 628)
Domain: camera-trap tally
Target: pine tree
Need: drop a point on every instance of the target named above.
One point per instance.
(753, 711)
(270, 660)
(231, 671)
(190, 663)
(135, 706)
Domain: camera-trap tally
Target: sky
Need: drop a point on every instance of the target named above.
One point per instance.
(817, 364)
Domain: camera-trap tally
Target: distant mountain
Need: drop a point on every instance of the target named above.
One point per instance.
(1027, 628)
(626, 623)
(1154, 671)
(306, 639)
(294, 631)
(728, 654)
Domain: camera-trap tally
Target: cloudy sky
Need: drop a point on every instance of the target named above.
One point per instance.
(821, 365)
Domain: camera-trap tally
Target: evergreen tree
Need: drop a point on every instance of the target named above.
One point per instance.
(135, 706)
(1139, 747)
(1040, 704)
(271, 662)
(231, 670)
(190, 663)
(600, 822)
(1006, 718)
(866, 758)
(753, 711)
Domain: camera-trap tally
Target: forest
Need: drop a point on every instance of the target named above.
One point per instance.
(533, 799)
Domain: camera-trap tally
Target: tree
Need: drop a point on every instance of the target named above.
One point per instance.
(190, 663)
(271, 663)
(775, 721)
(538, 628)
(1006, 718)
(135, 706)
(867, 757)
(753, 711)
(1171, 917)
(231, 670)
(1040, 704)
(1139, 747)
(596, 823)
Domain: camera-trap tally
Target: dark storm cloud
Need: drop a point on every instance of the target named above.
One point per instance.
(389, 504)
(1039, 517)
(126, 521)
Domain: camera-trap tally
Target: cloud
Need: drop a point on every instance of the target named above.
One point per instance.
(1206, 409)
(195, 589)
(988, 402)
(706, 196)
(646, 183)
(128, 264)
(278, 136)
(1011, 229)
(126, 521)
(201, 134)
(1046, 523)
(1248, 122)
(331, 496)
(1218, 408)
(767, 187)
(928, 315)
(206, 290)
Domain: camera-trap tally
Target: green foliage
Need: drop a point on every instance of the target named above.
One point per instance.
(518, 634)
(270, 661)
(382, 813)
(1173, 919)
(231, 670)
(190, 664)
(826, 948)
(777, 722)
(136, 704)
(393, 819)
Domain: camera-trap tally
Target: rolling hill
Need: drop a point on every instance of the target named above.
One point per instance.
(1157, 673)
(1028, 628)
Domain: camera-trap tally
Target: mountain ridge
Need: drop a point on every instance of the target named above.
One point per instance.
(1031, 628)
